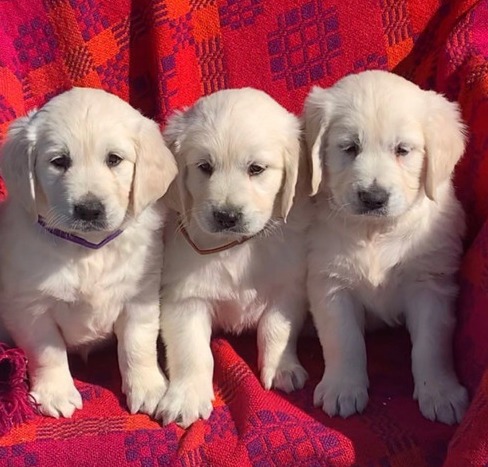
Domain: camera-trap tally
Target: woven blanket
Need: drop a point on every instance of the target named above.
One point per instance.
(161, 55)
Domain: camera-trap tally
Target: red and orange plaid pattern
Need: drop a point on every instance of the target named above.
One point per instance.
(162, 55)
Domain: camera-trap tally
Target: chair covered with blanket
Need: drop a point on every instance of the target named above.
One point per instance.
(161, 55)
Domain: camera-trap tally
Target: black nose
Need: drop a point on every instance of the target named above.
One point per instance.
(373, 198)
(90, 210)
(226, 219)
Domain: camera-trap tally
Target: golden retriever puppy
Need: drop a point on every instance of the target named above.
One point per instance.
(81, 242)
(386, 241)
(232, 263)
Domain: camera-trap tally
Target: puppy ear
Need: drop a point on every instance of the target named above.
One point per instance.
(445, 139)
(316, 122)
(174, 130)
(17, 163)
(178, 197)
(155, 167)
(292, 160)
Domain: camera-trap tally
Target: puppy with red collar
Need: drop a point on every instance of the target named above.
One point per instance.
(231, 261)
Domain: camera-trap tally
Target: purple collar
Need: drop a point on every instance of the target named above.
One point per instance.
(75, 239)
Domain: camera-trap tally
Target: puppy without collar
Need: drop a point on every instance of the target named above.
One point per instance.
(81, 242)
(236, 265)
(386, 241)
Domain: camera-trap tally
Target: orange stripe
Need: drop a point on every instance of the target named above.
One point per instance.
(91, 80)
(20, 434)
(139, 421)
(102, 47)
(206, 23)
(178, 8)
(396, 53)
(11, 88)
(42, 79)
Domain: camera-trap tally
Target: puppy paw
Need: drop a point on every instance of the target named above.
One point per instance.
(57, 398)
(288, 376)
(338, 396)
(442, 401)
(185, 402)
(144, 391)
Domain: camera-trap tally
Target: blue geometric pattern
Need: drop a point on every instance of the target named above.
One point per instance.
(304, 45)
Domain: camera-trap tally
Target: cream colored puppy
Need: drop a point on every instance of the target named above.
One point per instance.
(81, 242)
(385, 244)
(234, 264)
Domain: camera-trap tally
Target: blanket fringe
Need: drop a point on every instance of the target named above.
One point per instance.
(16, 404)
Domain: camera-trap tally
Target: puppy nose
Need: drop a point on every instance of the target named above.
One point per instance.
(228, 218)
(90, 210)
(373, 198)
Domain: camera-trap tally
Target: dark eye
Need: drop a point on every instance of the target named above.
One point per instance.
(255, 169)
(351, 149)
(113, 160)
(401, 151)
(62, 162)
(205, 167)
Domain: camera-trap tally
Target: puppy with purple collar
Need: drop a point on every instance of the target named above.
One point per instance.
(81, 243)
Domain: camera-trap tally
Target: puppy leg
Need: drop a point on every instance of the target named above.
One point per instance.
(278, 330)
(339, 319)
(430, 321)
(137, 330)
(186, 327)
(51, 383)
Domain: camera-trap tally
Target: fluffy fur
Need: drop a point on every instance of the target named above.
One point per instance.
(84, 148)
(221, 143)
(386, 241)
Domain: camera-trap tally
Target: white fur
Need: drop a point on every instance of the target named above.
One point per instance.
(57, 296)
(394, 266)
(260, 283)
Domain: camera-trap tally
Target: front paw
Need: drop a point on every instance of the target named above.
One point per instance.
(338, 395)
(57, 397)
(287, 376)
(444, 401)
(144, 390)
(185, 402)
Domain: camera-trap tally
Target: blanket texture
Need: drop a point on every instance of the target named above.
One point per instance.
(161, 55)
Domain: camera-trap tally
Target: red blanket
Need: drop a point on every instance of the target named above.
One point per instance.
(161, 55)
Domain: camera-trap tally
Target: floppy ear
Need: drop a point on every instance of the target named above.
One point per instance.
(292, 160)
(18, 160)
(316, 121)
(155, 167)
(178, 197)
(444, 141)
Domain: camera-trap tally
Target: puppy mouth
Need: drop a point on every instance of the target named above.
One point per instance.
(237, 230)
(88, 226)
(381, 212)
(353, 209)
(232, 231)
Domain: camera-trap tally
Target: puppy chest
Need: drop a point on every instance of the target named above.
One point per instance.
(372, 264)
(240, 313)
(93, 281)
(375, 276)
(83, 322)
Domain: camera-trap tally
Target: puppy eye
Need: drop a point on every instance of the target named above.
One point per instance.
(255, 169)
(351, 149)
(113, 160)
(62, 162)
(401, 151)
(205, 167)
